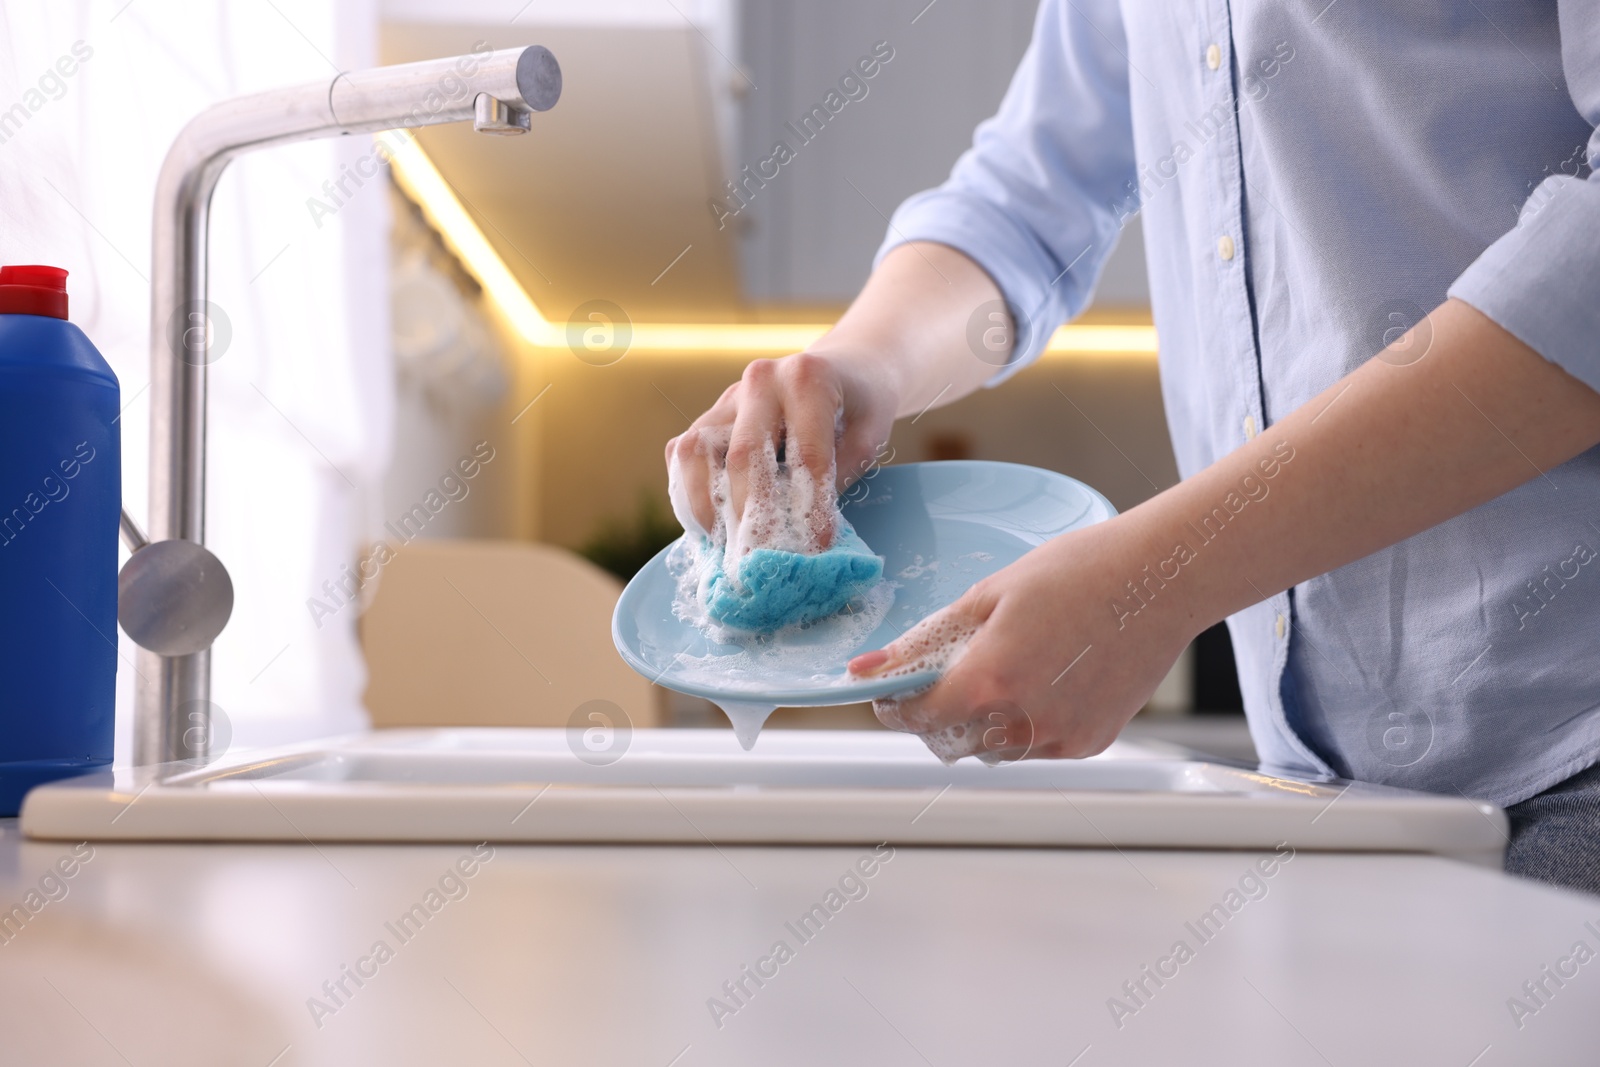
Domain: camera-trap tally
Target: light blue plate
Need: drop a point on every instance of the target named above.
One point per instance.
(939, 526)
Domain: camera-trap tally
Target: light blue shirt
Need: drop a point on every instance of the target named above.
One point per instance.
(1312, 177)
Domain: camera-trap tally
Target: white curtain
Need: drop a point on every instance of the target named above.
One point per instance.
(301, 401)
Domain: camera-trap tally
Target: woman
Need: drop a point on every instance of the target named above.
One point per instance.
(1398, 514)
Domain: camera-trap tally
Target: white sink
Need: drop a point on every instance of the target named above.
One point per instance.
(698, 786)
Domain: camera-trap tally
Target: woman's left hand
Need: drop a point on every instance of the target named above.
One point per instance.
(1037, 661)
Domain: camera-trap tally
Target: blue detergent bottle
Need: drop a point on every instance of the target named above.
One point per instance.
(60, 500)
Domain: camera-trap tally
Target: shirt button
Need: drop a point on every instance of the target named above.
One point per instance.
(1249, 427)
(1225, 246)
(1213, 56)
(1280, 627)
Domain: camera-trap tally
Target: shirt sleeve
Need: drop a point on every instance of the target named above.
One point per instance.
(1538, 281)
(1034, 201)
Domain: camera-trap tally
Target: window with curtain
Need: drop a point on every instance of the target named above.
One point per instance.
(301, 400)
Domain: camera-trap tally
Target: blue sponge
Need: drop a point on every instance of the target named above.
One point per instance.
(784, 588)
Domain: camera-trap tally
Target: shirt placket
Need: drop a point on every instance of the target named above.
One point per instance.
(1234, 345)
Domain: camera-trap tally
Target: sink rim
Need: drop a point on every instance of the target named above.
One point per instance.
(237, 801)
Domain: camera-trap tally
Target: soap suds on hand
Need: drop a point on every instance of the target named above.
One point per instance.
(936, 644)
(765, 570)
(787, 612)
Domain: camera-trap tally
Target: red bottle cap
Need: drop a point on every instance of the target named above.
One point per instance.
(33, 291)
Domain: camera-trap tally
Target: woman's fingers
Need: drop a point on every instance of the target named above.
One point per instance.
(1006, 733)
(950, 701)
(933, 643)
(693, 459)
(757, 423)
(928, 646)
(1002, 732)
(793, 406)
(938, 643)
(953, 724)
(811, 417)
(689, 467)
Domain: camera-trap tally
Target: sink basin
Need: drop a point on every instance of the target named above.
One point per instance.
(699, 786)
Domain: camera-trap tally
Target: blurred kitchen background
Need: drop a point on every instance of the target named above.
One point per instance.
(562, 303)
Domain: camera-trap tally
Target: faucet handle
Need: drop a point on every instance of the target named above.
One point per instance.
(490, 114)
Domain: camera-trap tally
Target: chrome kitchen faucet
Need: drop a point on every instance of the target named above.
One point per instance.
(497, 91)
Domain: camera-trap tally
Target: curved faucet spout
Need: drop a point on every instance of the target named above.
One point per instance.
(498, 91)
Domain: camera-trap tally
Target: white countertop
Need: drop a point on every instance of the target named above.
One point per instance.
(194, 953)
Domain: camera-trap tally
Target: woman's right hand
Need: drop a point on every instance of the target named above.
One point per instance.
(901, 347)
(830, 413)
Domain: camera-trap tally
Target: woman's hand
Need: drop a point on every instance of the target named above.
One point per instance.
(828, 412)
(900, 349)
(1037, 661)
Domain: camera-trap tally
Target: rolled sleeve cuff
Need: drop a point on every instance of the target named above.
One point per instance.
(1020, 268)
(1538, 281)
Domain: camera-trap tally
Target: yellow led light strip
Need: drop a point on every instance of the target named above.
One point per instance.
(421, 181)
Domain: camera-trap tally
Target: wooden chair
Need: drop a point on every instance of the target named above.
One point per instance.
(494, 633)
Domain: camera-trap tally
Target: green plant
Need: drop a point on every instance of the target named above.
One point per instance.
(622, 545)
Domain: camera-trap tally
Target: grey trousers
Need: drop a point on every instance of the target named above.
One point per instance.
(1555, 836)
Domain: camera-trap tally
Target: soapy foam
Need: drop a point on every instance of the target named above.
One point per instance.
(917, 568)
(805, 655)
(781, 511)
(990, 737)
(800, 653)
(784, 508)
(935, 644)
(951, 743)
